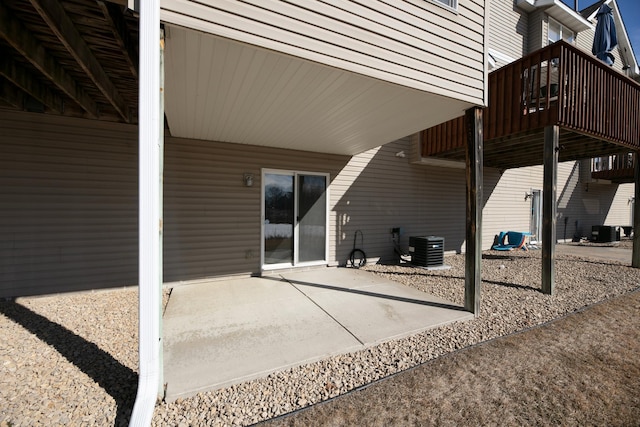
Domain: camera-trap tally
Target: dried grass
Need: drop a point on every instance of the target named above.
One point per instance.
(582, 370)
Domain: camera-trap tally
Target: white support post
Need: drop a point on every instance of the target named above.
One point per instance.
(150, 155)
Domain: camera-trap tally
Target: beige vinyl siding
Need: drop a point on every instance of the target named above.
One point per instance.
(508, 29)
(589, 204)
(538, 34)
(68, 217)
(70, 200)
(377, 191)
(619, 213)
(413, 43)
(212, 220)
(584, 41)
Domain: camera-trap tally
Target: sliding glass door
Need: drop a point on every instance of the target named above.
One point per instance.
(294, 230)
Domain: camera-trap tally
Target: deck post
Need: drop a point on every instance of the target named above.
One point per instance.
(635, 256)
(473, 257)
(549, 207)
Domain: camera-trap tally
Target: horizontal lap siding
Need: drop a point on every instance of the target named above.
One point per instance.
(413, 43)
(584, 41)
(212, 220)
(508, 30)
(377, 191)
(68, 218)
(538, 25)
(592, 204)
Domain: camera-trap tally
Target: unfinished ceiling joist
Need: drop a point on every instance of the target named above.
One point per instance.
(62, 26)
(10, 95)
(33, 51)
(113, 14)
(23, 79)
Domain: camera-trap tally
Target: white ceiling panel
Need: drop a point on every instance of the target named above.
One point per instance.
(221, 90)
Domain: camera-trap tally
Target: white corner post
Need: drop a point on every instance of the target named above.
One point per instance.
(150, 159)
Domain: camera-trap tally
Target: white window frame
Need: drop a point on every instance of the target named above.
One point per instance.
(452, 5)
(296, 263)
(562, 30)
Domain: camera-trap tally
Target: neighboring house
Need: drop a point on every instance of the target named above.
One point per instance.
(277, 114)
(514, 125)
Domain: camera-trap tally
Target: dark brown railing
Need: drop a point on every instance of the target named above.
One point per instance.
(556, 85)
(618, 167)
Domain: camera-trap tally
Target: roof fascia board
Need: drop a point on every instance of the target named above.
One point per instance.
(563, 13)
(559, 11)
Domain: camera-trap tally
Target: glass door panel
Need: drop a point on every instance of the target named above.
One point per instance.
(278, 218)
(312, 217)
(536, 216)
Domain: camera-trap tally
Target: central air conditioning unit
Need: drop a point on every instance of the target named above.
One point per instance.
(427, 251)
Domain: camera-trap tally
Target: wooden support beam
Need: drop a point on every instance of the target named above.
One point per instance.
(29, 84)
(549, 207)
(59, 22)
(10, 94)
(474, 175)
(30, 48)
(635, 255)
(113, 14)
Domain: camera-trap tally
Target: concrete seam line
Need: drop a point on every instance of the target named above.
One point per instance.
(325, 311)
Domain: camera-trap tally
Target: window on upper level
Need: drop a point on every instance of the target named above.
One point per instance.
(557, 31)
(452, 4)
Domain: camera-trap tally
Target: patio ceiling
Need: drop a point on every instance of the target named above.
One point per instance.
(222, 90)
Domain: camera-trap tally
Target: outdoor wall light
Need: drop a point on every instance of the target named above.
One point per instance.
(401, 154)
(248, 179)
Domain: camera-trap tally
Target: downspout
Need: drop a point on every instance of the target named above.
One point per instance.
(149, 215)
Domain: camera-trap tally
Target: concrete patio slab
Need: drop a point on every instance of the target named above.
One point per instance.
(609, 253)
(225, 332)
(374, 309)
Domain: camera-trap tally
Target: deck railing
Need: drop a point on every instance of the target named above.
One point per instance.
(556, 85)
(618, 167)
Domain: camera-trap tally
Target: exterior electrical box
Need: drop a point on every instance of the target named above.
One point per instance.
(427, 251)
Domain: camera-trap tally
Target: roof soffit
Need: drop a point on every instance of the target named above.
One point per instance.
(558, 11)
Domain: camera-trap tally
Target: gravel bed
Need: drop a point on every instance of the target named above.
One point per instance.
(72, 359)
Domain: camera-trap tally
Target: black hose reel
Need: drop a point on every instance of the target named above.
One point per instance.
(357, 257)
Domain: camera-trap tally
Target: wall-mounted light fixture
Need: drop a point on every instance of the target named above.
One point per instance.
(527, 196)
(401, 154)
(248, 179)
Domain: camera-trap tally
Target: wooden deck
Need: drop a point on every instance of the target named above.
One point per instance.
(618, 169)
(595, 107)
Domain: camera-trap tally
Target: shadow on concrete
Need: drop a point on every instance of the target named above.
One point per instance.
(119, 381)
(377, 295)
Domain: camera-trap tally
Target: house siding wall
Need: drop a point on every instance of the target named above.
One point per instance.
(592, 204)
(584, 41)
(414, 43)
(68, 216)
(70, 197)
(508, 30)
(538, 25)
(377, 191)
(69, 204)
